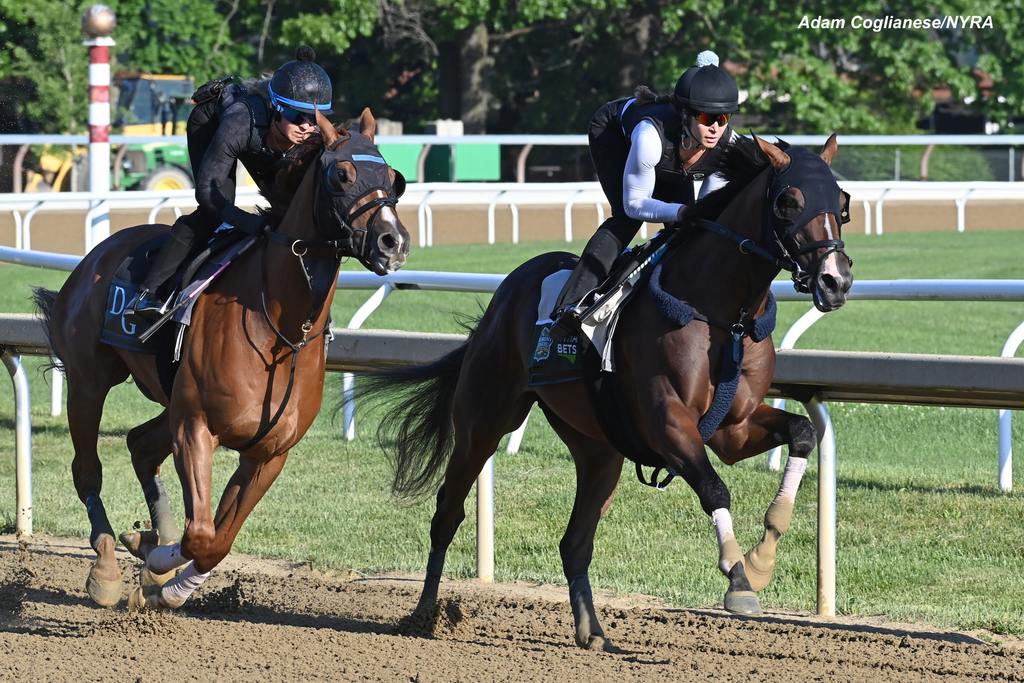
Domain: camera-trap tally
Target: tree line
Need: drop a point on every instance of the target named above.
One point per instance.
(533, 66)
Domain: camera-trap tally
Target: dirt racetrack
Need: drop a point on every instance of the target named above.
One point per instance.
(270, 620)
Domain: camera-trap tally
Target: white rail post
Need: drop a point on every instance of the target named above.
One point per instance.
(961, 210)
(26, 227)
(795, 331)
(421, 216)
(18, 237)
(1005, 471)
(491, 228)
(879, 228)
(515, 223)
(818, 413)
(515, 439)
(348, 380)
(568, 214)
(56, 388)
(22, 443)
(485, 522)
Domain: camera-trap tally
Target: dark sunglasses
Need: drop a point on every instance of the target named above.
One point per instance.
(706, 119)
(298, 117)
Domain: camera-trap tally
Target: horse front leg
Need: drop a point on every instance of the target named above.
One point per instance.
(766, 428)
(677, 439)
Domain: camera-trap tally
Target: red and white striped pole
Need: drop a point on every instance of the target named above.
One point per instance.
(98, 23)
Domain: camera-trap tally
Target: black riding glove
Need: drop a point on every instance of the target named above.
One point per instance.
(243, 220)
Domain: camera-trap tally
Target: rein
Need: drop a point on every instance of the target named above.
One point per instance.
(316, 306)
(352, 242)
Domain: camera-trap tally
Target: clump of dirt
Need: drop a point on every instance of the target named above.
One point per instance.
(230, 599)
(14, 587)
(136, 623)
(445, 620)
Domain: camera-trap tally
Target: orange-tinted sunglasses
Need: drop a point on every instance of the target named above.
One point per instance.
(706, 119)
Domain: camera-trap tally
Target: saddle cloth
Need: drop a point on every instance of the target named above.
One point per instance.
(225, 246)
(554, 362)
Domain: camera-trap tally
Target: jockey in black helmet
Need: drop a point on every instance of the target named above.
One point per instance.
(648, 150)
(256, 125)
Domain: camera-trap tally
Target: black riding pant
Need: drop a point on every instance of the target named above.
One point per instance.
(192, 230)
(608, 151)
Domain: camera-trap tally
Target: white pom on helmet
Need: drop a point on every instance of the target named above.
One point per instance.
(707, 58)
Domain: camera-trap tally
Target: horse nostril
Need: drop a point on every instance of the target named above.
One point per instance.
(828, 282)
(387, 242)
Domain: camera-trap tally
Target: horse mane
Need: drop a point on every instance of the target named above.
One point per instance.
(740, 163)
(289, 171)
(646, 95)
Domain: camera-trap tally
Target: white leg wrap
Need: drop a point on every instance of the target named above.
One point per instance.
(722, 519)
(795, 468)
(175, 592)
(164, 558)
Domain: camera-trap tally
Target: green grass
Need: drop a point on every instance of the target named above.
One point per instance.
(923, 532)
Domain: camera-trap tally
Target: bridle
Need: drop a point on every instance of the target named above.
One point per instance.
(350, 241)
(821, 196)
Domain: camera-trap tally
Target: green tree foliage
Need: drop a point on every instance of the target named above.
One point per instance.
(42, 72)
(536, 65)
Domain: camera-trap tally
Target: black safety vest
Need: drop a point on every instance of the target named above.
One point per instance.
(672, 183)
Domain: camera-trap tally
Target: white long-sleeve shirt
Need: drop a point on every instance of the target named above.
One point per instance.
(639, 177)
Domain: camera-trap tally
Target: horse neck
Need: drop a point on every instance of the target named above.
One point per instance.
(286, 288)
(712, 274)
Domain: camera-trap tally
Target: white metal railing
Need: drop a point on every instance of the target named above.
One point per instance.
(867, 290)
(873, 197)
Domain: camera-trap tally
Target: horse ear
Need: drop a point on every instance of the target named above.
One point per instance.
(367, 124)
(779, 159)
(829, 150)
(327, 131)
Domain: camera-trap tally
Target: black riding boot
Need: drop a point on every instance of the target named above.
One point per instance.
(171, 255)
(594, 266)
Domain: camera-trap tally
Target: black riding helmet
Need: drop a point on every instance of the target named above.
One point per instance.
(707, 87)
(301, 84)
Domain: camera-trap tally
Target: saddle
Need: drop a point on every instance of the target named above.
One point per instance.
(196, 274)
(555, 362)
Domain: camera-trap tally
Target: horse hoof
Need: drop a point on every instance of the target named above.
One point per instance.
(742, 602)
(139, 543)
(104, 592)
(758, 576)
(149, 579)
(140, 599)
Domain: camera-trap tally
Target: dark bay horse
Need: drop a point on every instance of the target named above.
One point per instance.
(780, 209)
(246, 379)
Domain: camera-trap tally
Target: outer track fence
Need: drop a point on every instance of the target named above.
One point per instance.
(867, 290)
(811, 376)
(873, 197)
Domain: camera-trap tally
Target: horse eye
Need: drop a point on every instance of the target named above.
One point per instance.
(340, 175)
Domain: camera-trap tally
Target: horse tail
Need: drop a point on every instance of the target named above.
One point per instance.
(44, 300)
(419, 420)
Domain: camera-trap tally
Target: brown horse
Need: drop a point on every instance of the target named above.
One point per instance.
(782, 209)
(243, 381)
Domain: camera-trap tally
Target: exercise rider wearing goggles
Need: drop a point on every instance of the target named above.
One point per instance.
(641, 143)
(256, 124)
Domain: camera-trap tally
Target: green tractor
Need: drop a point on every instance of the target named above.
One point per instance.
(153, 105)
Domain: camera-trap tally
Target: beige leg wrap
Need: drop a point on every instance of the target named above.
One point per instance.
(761, 559)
